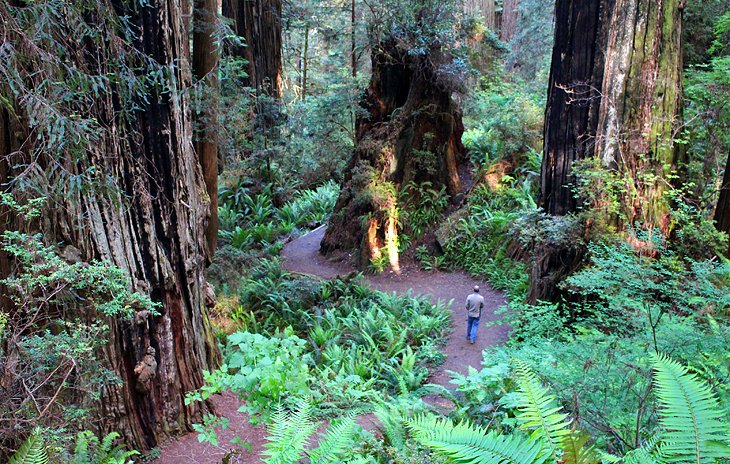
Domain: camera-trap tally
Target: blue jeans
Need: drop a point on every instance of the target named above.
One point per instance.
(472, 324)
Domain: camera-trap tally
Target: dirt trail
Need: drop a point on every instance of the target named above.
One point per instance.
(302, 256)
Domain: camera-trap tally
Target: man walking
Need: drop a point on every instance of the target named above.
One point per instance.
(474, 306)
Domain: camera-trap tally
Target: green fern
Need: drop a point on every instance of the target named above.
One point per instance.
(335, 443)
(90, 450)
(289, 434)
(32, 451)
(577, 450)
(690, 416)
(465, 443)
(539, 412)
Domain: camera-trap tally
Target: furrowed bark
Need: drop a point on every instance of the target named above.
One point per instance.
(574, 98)
(145, 210)
(259, 23)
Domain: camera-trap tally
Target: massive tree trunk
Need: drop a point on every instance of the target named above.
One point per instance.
(411, 133)
(722, 213)
(205, 69)
(259, 23)
(574, 98)
(641, 107)
(142, 208)
(615, 94)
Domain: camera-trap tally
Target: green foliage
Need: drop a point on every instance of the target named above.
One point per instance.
(352, 345)
(694, 427)
(530, 48)
(697, 236)
(539, 412)
(620, 282)
(430, 262)
(53, 337)
(478, 239)
(466, 443)
(32, 451)
(251, 220)
(707, 115)
(505, 124)
(90, 450)
(290, 435)
(603, 380)
(262, 370)
(421, 207)
(542, 320)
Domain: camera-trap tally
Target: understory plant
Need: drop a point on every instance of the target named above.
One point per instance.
(478, 238)
(51, 340)
(692, 427)
(337, 343)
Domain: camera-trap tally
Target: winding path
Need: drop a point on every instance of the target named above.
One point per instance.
(302, 256)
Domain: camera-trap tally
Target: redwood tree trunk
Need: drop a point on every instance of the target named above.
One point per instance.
(409, 114)
(574, 98)
(510, 16)
(259, 23)
(641, 108)
(615, 94)
(722, 213)
(205, 69)
(484, 8)
(149, 219)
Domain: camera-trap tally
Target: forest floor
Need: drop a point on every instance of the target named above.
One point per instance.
(302, 256)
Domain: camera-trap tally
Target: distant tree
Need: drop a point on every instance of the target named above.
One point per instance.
(205, 70)
(510, 17)
(485, 9)
(531, 40)
(259, 23)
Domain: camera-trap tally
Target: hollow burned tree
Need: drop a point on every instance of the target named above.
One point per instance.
(410, 133)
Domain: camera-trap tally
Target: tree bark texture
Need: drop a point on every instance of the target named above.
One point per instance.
(486, 9)
(510, 18)
(722, 212)
(615, 94)
(259, 23)
(411, 133)
(150, 222)
(641, 106)
(574, 98)
(205, 69)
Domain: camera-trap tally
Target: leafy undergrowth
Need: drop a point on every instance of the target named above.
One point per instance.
(337, 344)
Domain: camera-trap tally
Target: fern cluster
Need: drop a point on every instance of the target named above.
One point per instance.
(89, 449)
(694, 429)
(291, 435)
